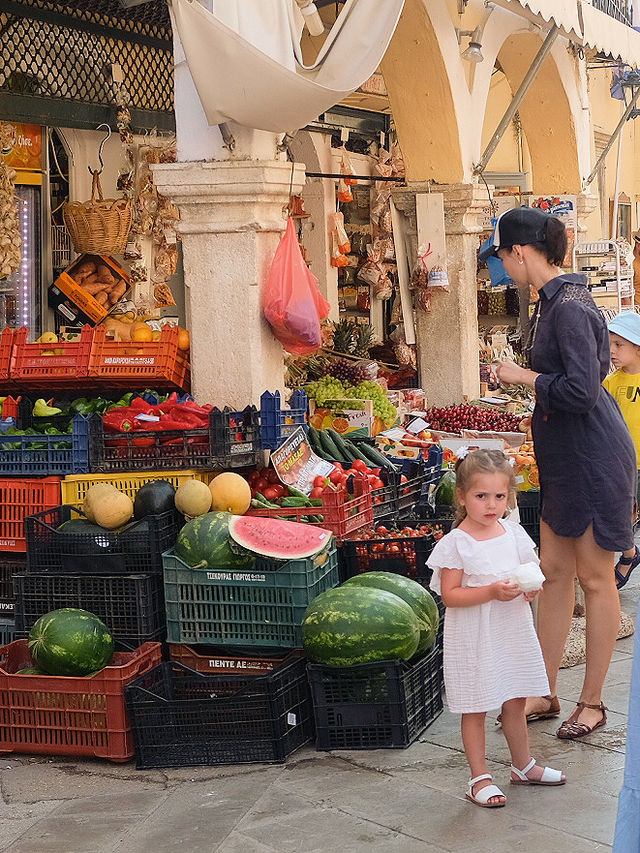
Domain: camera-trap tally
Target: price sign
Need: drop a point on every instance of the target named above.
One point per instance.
(297, 465)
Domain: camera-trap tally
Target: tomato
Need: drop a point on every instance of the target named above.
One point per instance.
(336, 476)
(377, 484)
(381, 530)
(375, 471)
(359, 465)
(271, 476)
(253, 476)
(278, 489)
(270, 493)
(317, 492)
(260, 485)
(319, 482)
(337, 466)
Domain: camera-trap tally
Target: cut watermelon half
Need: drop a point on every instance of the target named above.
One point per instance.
(276, 538)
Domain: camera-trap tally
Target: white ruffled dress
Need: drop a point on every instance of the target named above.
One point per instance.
(491, 651)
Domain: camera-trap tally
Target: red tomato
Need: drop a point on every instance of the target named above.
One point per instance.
(271, 476)
(260, 485)
(253, 476)
(270, 493)
(319, 482)
(377, 484)
(279, 489)
(359, 465)
(375, 471)
(381, 530)
(317, 492)
(336, 475)
(337, 466)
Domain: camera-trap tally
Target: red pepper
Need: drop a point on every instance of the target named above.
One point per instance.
(190, 419)
(117, 420)
(140, 441)
(139, 405)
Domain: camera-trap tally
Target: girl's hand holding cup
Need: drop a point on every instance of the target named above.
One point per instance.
(505, 590)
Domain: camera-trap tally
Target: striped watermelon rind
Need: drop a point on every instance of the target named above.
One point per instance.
(417, 597)
(203, 543)
(351, 625)
(70, 642)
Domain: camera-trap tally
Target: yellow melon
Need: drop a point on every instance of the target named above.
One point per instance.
(230, 493)
(107, 506)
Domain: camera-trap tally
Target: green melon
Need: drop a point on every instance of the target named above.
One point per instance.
(204, 543)
(446, 491)
(70, 642)
(417, 597)
(352, 624)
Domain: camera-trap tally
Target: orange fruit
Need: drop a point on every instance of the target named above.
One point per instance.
(340, 425)
(184, 339)
(141, 333)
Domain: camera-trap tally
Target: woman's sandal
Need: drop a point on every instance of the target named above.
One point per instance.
(632, 562)
(549, 777)
(573, 730)
(484, 794)
(552, 711)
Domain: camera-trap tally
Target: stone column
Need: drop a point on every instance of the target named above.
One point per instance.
(447, 336)
(231, 221)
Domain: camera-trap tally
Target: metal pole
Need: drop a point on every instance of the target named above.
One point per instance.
(614, 224)
(507, 118)
(614, 136)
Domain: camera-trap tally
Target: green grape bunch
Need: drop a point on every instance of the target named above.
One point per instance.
(330, 388)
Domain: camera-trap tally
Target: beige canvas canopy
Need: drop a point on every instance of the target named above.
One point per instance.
(246, 61)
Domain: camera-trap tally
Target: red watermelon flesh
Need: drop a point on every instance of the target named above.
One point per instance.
(276, 538)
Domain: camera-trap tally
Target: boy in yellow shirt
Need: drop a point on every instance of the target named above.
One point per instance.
(624, 386)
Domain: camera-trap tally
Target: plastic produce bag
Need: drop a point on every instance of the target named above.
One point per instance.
(337, 224)
(291, 301)
(347, 169)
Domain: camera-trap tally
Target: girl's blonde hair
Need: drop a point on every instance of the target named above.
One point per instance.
(483, 462)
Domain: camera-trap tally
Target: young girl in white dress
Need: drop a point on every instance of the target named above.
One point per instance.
(492, 657)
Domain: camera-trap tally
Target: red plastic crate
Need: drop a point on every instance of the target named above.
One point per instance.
(58, 715)
(68, 361)
(22, 497)
(10, 407)
(122, 362)
(6, 344)
(343, 514)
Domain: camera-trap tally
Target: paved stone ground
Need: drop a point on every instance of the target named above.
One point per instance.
(384, 801)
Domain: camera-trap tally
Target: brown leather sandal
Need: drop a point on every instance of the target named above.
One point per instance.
(552, 711)
(573, 730)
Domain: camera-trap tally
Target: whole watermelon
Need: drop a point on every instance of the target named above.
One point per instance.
(81, 536)
(352, 624)
(70, 642)
(204, 543)
(154, 498)
(446, 491)
(417, 597)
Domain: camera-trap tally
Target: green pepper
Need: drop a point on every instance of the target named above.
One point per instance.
(81, 406)
(296, 502)
(294, 493)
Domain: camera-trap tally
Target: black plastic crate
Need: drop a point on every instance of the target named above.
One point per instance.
(529, 509)
(231, 441)
(10, 564)
(132, 607)
(183, 718)
(381, 705)
(7, 631)
(137, 550)
(403, 555)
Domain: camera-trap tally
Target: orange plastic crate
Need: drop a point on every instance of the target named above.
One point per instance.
(20, 497)
(6, 345)
(44, 365)
(58, 715)
(342, 514)
(122, 362)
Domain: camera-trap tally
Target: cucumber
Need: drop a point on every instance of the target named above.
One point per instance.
(338, 440)
(378, 459)
(358, 453)
(350, 455)
(329, 447)
(312, 436)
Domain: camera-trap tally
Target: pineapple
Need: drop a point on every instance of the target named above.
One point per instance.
(363, 340)
(343, 334)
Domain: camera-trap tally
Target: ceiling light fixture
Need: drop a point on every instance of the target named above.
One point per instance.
(473, 53)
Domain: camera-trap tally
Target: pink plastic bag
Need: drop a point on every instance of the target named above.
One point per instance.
(291, 301)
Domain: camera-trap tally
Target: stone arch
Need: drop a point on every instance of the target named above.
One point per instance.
(427, 90)
(554, 121)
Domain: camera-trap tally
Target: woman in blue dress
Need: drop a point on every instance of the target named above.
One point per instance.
(585, 456)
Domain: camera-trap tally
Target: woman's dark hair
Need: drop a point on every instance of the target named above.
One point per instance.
(554, 247)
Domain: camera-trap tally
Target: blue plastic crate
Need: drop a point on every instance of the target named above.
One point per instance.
(19, 459)
(7, 631)
(277, 423)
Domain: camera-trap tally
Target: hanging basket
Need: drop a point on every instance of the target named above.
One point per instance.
(99, 226)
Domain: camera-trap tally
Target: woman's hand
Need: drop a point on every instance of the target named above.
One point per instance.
(509, 373)
(505, 591)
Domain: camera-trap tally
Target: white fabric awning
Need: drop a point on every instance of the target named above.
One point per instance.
(562, 13)
(253, 73)
(604, 34)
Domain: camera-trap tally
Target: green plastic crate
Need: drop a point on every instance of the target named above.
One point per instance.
(261, 607)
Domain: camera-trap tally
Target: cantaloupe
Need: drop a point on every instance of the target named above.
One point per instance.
(107, 506)
(193, 498)
(230, 493)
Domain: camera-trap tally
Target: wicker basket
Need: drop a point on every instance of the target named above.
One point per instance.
(99, 226)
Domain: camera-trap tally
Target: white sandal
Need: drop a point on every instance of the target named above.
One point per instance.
(484, 794)
(549, 776)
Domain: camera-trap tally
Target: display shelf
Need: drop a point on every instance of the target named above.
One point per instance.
(608, 279)
(498, 319)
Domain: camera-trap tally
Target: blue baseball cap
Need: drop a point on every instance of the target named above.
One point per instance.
(627, 326)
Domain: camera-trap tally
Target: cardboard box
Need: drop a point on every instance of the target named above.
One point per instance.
(343, 416)
(67, 295)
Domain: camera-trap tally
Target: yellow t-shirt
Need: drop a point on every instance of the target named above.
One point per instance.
(625, 390)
